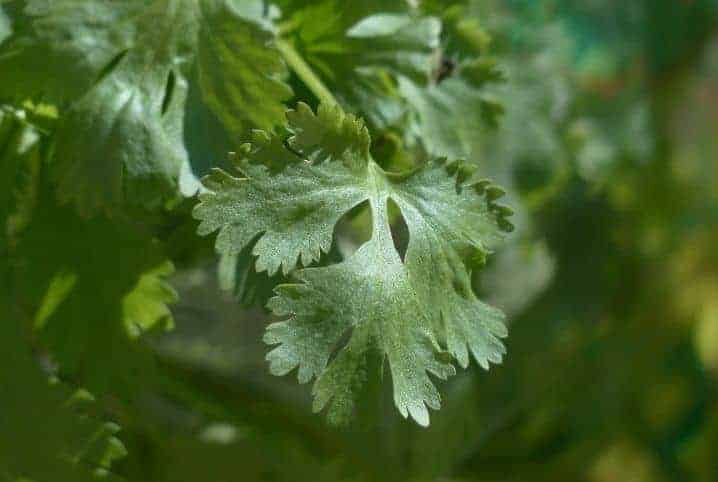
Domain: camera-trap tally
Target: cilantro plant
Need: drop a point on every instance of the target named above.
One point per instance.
(329, 145)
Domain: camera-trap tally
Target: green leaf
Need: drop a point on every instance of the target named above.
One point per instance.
(46, 434)
(418, 312)
(123, 69)
(237, 274)
(358, 49)
(452, 115)
(133, 155)
(237, 68)
(539, 108)
(5, 27)
(19, 159)
(59, 48)
(92, 290)
(463, 33)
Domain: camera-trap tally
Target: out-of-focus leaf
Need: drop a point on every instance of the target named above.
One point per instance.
(45, 437)
(357, 50)
(92, 288)
(123, 71)
(453, 115)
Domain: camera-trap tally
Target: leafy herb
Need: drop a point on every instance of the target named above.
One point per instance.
(406, 309)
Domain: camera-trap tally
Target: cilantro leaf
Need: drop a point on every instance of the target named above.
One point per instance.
(418, 313)
(238, 274)
(45, 436)
(450, 116)
(92, 289)
(59, 48)
(357, 50)
(123, 71)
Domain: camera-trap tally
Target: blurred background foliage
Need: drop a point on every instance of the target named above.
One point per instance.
(600, 117)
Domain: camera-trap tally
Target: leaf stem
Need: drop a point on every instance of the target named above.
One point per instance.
(305, 72)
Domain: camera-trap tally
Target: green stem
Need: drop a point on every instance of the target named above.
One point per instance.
(305, 72)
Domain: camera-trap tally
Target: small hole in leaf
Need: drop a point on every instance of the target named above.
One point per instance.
(352, 230)
(169, 90)
(399, 229)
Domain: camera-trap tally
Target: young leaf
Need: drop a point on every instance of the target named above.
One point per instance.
(418, 312)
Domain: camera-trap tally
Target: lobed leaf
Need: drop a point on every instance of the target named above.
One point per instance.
(417, 313)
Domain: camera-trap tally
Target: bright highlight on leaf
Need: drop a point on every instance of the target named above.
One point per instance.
(418, 313)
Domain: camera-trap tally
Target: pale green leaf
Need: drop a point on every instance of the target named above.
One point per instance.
(452, 117)
(418, 312)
